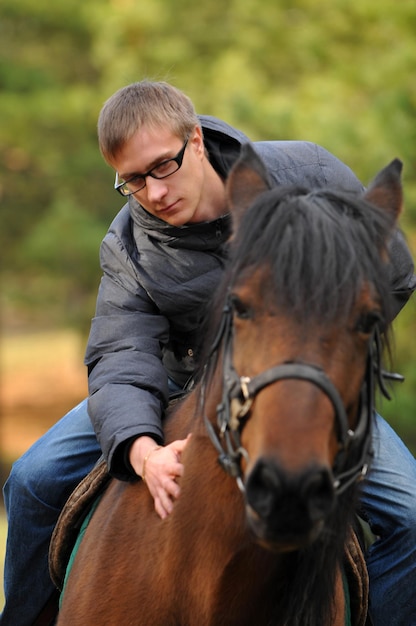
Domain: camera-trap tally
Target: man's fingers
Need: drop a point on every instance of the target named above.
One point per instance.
(176, 470)
(172, 489)
(162, 469)
(165, 496)
(163, 504)
(180, 444)
(160, 510)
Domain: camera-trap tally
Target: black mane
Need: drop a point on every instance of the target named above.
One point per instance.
(320, 245)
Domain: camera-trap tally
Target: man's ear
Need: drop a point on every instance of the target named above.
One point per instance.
(246, 181)
(385, 191)
(197, 139)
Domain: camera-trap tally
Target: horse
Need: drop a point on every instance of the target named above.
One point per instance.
(281, 420)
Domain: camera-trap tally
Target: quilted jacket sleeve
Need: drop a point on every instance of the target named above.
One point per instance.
(127, 381)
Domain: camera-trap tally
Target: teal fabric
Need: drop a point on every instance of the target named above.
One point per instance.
(77, 544)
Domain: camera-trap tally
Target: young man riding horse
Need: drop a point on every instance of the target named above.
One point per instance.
(280, 420)
(161, 260)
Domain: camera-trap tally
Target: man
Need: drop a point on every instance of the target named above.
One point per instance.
(161, 260)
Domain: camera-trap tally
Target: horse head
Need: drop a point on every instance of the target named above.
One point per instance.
(307, 297)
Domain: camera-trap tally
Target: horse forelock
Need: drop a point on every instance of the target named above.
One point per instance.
(322, 246)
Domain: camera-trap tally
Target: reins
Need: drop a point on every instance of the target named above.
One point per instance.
(239, 392)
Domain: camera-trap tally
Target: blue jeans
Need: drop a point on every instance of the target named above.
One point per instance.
(389, 504)
(38, 486)
(42, 479)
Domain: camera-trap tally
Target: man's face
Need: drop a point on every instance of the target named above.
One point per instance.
(177, 198)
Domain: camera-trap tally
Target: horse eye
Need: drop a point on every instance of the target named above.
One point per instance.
(241, 310)
(367, 321)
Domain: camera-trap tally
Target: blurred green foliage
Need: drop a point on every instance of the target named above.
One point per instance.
(337, 72)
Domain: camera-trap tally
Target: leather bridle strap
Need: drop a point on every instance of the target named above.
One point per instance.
(239, 392)
(250, 387)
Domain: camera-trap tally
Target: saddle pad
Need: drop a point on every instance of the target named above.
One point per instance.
(71, 519)
(74, 551)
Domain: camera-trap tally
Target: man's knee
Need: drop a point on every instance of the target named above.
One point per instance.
(405, 517)
(31, 476)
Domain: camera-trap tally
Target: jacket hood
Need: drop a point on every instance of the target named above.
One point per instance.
(223, 143)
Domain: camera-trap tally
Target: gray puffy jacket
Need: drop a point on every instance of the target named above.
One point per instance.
(157, 281)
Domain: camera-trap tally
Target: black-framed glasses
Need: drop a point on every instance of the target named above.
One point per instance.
(161, 170)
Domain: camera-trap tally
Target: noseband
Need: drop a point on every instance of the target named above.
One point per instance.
(239, 392)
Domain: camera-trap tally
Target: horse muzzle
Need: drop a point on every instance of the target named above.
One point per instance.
(288, 511)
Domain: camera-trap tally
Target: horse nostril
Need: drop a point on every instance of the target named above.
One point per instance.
(296, 501)
(263, 488)
(318, 492)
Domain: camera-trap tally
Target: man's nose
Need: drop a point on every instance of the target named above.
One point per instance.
(156, 188)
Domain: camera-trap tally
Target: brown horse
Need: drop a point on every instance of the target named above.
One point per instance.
(284, 403)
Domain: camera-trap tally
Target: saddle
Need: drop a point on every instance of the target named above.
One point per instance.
(71, 519)
(81, 501)
(357, 577)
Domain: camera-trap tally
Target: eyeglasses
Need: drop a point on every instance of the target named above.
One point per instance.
(161, 170)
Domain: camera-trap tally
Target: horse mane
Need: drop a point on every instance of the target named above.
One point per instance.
(321, 246)
(306, 598)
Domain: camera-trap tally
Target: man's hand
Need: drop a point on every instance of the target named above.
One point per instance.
(159, 467)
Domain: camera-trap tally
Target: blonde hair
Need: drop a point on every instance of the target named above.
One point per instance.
(145, 103)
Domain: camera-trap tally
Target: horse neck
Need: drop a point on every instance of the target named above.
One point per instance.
(234, 580)
(210, 516)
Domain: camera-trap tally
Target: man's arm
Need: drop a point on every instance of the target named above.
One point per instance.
(127, 380)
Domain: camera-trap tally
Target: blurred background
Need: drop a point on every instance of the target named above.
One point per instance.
(340, 73)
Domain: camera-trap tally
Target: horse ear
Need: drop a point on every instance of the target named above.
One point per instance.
(385, 191)
(247, 180)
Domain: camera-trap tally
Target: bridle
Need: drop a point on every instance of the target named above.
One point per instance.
(239, 392)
